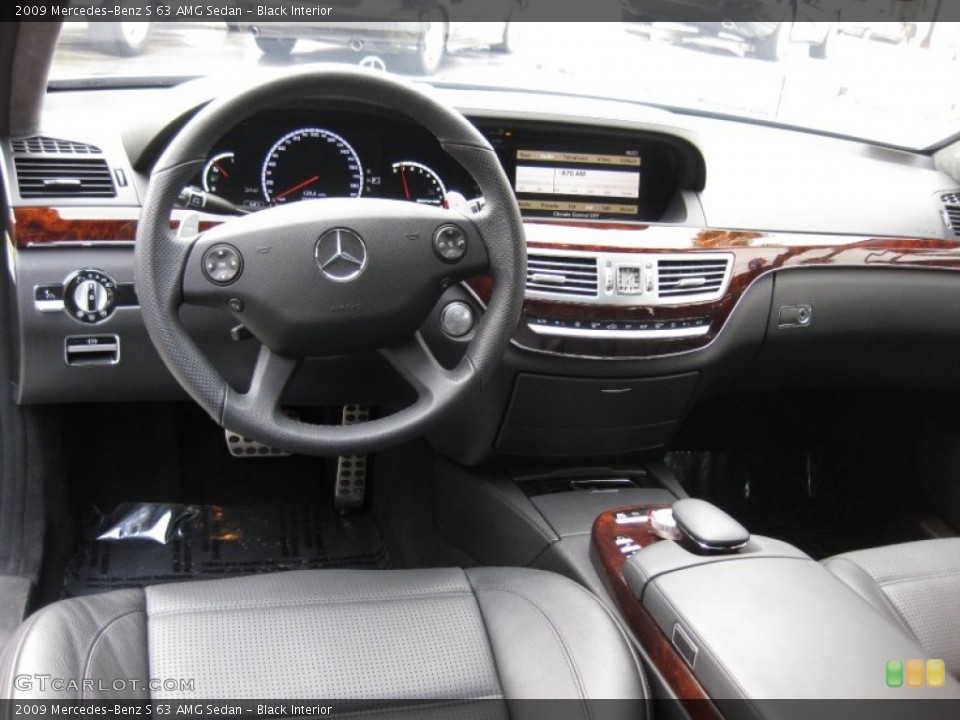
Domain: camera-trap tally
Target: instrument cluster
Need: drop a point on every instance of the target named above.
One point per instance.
(284, 156)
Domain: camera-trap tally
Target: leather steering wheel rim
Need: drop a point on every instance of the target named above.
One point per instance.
(162, 258)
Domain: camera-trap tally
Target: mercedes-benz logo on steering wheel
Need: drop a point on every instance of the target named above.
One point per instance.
(341, 254)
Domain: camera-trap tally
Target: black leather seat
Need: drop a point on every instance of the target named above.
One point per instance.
(917, 586)
(475, 634)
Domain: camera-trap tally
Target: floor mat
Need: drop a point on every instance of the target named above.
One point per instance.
(147, 544)
(820, 503)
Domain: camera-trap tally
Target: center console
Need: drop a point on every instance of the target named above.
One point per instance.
(729, 623)
(740, 620)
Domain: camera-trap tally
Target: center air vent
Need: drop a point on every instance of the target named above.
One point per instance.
(46, 177)
(52, 146)
(951, 211)
(562, 275)
(693, 277)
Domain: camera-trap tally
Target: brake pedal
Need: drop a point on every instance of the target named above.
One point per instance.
(351, 485)
(243, 447)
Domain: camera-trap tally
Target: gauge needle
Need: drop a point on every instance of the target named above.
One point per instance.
(223, 172)
(403, 178)
(296, 187)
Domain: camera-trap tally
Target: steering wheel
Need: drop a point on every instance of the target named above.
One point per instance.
(329, 276)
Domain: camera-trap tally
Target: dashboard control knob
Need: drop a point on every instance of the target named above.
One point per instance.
(457, 319)
(222, 264)
(89, 296)
(450, 243)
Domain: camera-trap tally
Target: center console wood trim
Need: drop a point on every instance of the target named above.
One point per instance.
(657, 647)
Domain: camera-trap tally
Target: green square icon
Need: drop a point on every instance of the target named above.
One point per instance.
(894, 673)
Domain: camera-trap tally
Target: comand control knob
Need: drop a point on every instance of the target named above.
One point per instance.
(89, 296)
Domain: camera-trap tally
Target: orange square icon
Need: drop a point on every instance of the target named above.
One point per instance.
(936, 673)
(914, 673)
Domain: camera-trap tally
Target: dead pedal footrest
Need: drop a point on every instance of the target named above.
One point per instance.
(243, 447)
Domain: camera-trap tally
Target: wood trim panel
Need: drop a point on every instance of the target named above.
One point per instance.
(755, 254)
(38, 226)
(43, 226)
(675, 671)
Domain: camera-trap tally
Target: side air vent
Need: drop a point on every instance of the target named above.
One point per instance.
(63, 177)
(689, 278)
(562, 275)
(951, 211)
(52, 146)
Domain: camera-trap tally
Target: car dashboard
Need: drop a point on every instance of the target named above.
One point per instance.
(671, 258)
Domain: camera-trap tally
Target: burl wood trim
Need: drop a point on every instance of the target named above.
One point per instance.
(754, 254)
(658, 648)
(38, 226)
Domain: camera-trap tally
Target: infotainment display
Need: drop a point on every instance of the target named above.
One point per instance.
(578, 184)
(577, 174)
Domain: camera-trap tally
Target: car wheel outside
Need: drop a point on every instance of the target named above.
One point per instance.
(512, 30)
(276, 47)
(774, 46)
(821, 51)
(432, 45)
(121, 38)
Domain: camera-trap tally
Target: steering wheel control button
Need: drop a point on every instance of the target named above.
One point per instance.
(457, 319)
(341, 255)
(222, 264)
(89, 296)
(450, 243)
(235, 305)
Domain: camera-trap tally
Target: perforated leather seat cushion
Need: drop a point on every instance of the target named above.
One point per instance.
(473, 635)
(917, 585)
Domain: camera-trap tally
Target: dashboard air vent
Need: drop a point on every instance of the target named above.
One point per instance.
(52, 146)
(692, 277)
(562, 275)
(63, 177)
(951, 211)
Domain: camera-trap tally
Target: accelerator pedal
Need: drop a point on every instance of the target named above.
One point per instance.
(351, 485)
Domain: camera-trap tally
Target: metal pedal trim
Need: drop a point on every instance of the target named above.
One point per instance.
(351, 485)
(248, 449)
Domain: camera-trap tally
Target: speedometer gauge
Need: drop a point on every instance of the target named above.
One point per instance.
(416, 182)
(311, 163)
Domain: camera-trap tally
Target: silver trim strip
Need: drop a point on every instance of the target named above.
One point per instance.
(687, 291)
(691, 645)
(111, 343)
(82, 349)
(671, 333)
(49, 306)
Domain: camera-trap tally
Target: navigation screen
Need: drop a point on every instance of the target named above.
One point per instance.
(578, 185)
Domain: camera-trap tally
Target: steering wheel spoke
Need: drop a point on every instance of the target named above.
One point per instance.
(416, 364)
(271, 376)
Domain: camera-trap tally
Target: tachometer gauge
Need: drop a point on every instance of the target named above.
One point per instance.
(311, 163)
(416, 182)
(220, 177)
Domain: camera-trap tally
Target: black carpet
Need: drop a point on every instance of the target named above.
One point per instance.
(148, 544)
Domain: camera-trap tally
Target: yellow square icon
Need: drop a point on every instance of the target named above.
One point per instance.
(914, 673)
(936, 673)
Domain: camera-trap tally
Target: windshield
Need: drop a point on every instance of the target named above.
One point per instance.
(893, 83)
